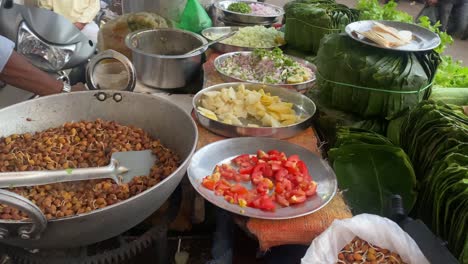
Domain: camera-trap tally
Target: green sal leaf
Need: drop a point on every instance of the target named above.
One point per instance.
(368, 174)
(69, 171)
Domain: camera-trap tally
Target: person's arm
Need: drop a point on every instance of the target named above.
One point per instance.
(20, 73)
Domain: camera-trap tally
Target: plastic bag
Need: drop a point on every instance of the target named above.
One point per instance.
(194, 18)
(374, 229)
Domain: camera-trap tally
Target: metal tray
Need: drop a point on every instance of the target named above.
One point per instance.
(248, 18)
(298, 86)
(302, 105)
(423, 39)
(225, 48)
(205, 160)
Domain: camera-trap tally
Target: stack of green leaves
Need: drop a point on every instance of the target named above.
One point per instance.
(369, 81)
(308, 21)
(370, 169)
(435, 136)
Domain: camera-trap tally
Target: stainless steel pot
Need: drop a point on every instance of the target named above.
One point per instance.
(159, 117)
(157, 58)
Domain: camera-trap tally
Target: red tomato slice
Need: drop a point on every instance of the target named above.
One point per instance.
(241, 158)
(246, 170)
(266, 203)
(281, 200)
(239, 189)
(281, 174)
(262, 154)
(279, 188)
(295, 199)
(208, 183)
(294, 158)
(298, 192)
(244, 177)
(267, 171)
(303, 169)
(312, 190)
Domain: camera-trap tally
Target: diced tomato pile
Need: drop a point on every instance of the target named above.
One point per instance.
(276, 179)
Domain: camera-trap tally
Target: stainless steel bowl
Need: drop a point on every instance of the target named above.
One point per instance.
(301, 87)
(225, 48)
(302, 105)
(248, 18)
(157, 60)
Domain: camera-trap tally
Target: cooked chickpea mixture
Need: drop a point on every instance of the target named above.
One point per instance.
(79, 145)
(361, 251)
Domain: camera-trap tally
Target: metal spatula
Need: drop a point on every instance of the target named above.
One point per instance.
(122, 168)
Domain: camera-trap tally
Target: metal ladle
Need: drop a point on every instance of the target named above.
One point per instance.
(230, 34)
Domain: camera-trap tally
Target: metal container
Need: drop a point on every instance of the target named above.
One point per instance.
(157, 60)
(302, 105)
(248, 18)
(225, 48)
(223, 151)
(157, 116)
(301, 87)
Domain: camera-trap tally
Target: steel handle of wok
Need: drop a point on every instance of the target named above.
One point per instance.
(32, 178)
(109, 55)
(28, 230)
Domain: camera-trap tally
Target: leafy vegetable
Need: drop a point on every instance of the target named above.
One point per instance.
(372, 10)
(240, 7)
(435, 136)
(307, 22)
(372, 82)
(451, 73)
(370, 169)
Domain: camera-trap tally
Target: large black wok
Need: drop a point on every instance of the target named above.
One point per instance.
(156, 115)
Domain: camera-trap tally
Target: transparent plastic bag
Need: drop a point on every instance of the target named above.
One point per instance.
(374, 229)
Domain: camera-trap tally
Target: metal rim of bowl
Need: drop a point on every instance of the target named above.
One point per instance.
(203, 33)
(218, 87)
(277, 8)
(131, 36)
(307, 64)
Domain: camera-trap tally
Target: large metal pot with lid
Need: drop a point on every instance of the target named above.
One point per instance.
(157, 116)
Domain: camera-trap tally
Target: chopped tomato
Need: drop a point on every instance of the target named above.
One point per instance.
(281, 174)
(296, 199)
(208, 183)
(241, 158)
(288, 176)
(266, 203)
(246, 170)
(303, 169)
(279, 188)
(312, 189)
(262, 155)
(239, 189)
(281, 200)
(267, 171)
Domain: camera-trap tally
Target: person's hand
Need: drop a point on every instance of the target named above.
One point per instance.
(78, 87)
(79, 25)
(432, 2)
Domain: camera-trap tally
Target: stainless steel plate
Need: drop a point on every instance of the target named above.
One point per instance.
(298, 86)
(248, 18)
(225, 48)
(205, 160)
(302, 105)
(423, 39)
